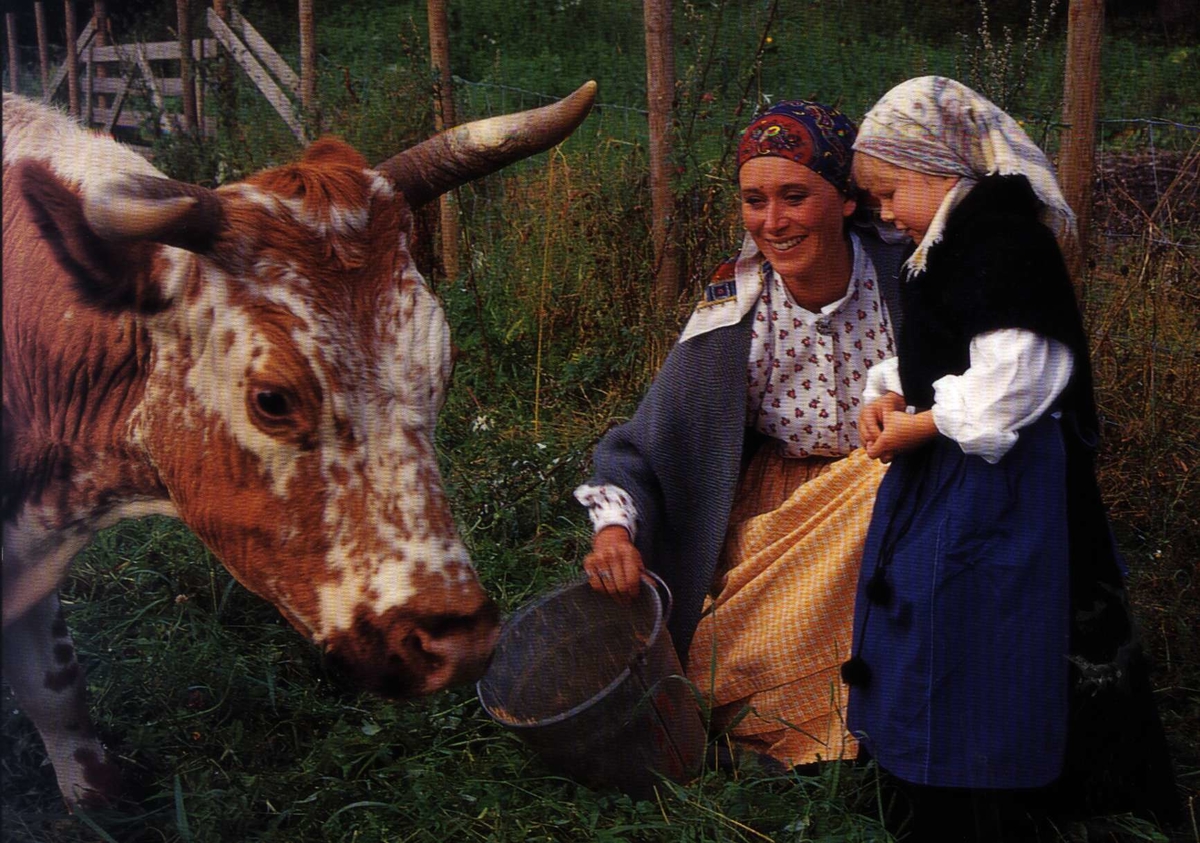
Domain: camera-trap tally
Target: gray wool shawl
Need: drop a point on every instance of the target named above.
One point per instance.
(681, 454)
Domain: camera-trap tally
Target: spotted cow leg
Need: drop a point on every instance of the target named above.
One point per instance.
(48, 682)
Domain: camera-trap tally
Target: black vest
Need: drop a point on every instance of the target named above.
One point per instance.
(997, 266)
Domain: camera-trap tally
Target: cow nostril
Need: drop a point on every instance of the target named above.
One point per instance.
(420, 647)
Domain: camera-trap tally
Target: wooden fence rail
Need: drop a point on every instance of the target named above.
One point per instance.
(111, 73)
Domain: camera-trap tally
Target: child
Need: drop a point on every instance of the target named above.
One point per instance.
(991, 610)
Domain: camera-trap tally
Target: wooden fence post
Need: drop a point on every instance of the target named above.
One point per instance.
(39, 14)
(187, 74)
(14, 65)
(444, 118)
(100, 71)
(1081, 91)
(660, 91)
(72, 59)
(308, 65)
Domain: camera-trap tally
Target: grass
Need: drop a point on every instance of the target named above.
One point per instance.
(228, 724)
(232, 730)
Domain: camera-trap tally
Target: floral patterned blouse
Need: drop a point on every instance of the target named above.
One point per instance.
(807, 370)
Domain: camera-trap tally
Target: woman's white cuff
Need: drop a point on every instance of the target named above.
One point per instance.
(608, 506)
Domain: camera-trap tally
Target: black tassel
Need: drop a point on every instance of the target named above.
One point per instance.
(856, 672)
(879, 590)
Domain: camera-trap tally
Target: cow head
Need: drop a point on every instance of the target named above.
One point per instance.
(296, 366)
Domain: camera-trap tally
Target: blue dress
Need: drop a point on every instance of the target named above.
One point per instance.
(994, 644)
(968, 656)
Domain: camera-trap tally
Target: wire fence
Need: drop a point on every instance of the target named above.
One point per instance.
(1142, 157)
(1147, 190)
(1138, 161)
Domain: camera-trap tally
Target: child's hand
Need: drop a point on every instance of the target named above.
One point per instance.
(901, 432)
(870, 421)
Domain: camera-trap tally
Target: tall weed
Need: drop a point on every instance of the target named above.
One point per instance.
(999, 64)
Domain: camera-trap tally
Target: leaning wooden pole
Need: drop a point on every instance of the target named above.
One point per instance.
(187, 73)
(1081, 93)
(39, 14)
(444, 118)
(226, 93)
(660, 91)
(72, 33)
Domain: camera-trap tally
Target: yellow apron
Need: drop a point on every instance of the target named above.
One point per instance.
(770, 643)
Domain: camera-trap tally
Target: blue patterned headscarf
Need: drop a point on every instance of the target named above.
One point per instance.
(817, 136)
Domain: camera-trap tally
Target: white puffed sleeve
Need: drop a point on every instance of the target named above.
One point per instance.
(608, 506)
(1015, 376)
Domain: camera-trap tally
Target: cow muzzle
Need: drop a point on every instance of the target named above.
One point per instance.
(401, 654)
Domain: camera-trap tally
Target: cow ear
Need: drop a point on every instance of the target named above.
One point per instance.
(113, 276)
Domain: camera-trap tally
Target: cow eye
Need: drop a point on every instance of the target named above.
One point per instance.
(273, 404)
(282, 413)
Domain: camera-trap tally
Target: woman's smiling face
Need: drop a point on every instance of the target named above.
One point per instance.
(794, 215)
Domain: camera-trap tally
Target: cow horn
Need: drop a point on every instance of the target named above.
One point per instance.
(150, 208)
(473, 150)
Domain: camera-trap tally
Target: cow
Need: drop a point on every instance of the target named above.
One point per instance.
(261, 360)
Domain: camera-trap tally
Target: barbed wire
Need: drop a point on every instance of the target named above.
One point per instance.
(1151, 121)
(1146, 121)
(458, 80)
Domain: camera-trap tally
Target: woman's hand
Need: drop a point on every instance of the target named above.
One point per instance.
(614, 566)
(870, 421)
(901, 432)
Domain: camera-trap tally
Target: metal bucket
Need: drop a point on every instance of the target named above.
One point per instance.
(594, 686)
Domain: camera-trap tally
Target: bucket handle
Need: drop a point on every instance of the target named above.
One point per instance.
(656, 582)
(664, 593)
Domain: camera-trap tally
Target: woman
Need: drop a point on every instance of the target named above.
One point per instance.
(740, 476)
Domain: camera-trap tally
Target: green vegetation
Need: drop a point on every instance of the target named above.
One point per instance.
(229, 724)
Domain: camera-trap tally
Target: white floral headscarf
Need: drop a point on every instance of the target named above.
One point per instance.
(938, 126)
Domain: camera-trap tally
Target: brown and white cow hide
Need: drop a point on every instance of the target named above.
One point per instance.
(262, 361)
